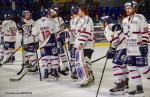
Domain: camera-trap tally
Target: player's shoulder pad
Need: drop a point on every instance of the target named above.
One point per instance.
(52, 20)
(141, 17)
(116, 27)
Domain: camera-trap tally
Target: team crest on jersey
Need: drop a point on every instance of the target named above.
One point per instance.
(54, 50)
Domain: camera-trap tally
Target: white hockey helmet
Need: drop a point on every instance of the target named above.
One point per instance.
(133, 4)
(25, 12)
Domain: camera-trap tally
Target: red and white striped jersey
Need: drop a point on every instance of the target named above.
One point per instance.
(9, 28)
(85, 31)
(135, 28)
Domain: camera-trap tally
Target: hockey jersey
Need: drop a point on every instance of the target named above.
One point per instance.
(44, 27)
(108, 32)
(72, 33)
(9, 28)
(115, 36)
(85, 30)
(26, 27)
(135, 29)
(59, 21)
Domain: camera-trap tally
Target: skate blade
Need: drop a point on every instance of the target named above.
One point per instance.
(136, 95)
(74, 80)
(126, 91)
(120, 93)
(50, 79)
(81, 85)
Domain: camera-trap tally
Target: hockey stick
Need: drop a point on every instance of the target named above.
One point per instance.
(18, 79)
(23, 53)
(1, 64)
(99, 59)
(102, 75)
(38, 65)
(68, 58)
(101, 78)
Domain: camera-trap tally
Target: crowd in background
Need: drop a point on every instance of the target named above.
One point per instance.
(15, 7)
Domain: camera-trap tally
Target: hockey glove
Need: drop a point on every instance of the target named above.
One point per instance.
(111, 53)
(144, 49)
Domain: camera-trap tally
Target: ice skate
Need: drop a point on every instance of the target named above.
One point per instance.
(118, 89)
(83, 82)
(139, 90)
(126, 86)
(54, 74)
(45, 74)
(63, 72)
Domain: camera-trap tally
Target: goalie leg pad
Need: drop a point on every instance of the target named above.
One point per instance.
(81, 64)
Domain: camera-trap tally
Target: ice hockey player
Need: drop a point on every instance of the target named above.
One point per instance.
(1, 43)
(136, 34)
(28, 41)
(46, 28)
(71, 39)
(9, 30)
(60, 40)
(115, 36)
(84, 45)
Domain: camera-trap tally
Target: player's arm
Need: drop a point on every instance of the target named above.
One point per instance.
(144, 31)
(117, 31)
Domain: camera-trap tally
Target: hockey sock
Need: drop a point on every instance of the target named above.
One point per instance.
(146, 71)
(135, 75)
(126, 72)
(64, 59)
(118, 73)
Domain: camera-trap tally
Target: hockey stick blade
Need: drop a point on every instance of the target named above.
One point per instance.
(1, 64)
(18, 79)
(98, 59)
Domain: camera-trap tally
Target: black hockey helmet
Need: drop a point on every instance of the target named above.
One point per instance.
(74, 9)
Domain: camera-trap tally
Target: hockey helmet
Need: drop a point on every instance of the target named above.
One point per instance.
(52, 11)
(133, 4)
(74, 9)
(106, 19)
(25, 12)
(44, 12)
(7, 16)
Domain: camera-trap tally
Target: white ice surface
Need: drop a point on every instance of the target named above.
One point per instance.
(32, 87)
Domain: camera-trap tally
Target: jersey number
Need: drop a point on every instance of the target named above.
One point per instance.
(46, 34)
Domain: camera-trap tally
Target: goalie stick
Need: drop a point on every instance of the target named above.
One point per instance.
(18, 79)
